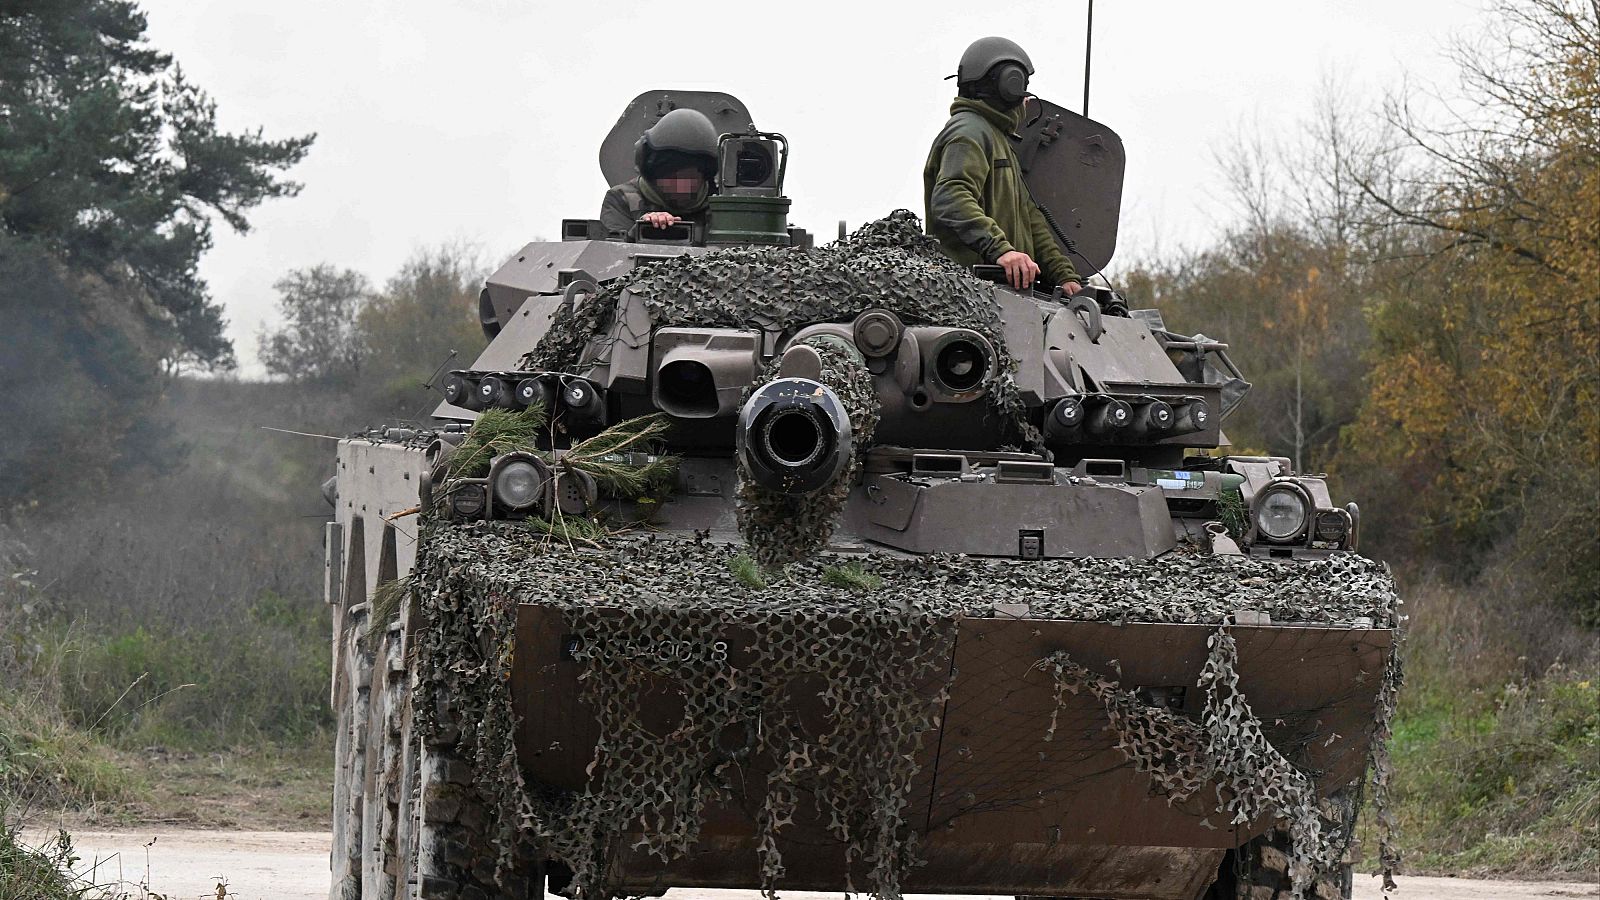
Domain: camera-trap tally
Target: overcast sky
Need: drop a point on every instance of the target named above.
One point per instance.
(480, 120)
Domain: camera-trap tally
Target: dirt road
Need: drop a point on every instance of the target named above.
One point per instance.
(261, 865)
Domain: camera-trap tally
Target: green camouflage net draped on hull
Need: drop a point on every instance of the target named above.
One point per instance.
(881, 677)
(1228, 750)
(887, 264)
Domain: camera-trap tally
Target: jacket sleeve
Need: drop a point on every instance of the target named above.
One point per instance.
(1055, 265)
(616, 216)
(956, 199)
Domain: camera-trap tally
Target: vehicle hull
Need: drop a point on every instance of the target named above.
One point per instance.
(1021, 788)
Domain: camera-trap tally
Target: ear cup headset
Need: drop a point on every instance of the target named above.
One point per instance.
(1010, 82)
(997, 69)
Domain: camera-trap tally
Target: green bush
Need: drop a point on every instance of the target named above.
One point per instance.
(46, 762)
(262, 677)
(1497, 738)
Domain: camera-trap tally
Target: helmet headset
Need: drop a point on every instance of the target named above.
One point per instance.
(994, 68)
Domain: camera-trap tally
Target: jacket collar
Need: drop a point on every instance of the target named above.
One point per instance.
(1007, 122)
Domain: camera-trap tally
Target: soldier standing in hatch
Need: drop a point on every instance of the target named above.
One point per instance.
(676, 160)
(977, 204)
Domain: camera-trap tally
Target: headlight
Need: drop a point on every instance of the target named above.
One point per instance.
(1282, 512)
(1333, 526)
(519, 481)
(467, 501)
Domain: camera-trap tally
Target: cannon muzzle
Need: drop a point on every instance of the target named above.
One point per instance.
(793, 435)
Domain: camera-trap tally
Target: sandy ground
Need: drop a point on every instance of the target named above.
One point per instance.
(258, 865)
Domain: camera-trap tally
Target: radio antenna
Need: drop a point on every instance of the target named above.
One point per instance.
(1088, 54)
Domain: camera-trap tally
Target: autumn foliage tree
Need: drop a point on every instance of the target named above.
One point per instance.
(426, 311)
(1416, 300)
(383, 346)
(1489, 382)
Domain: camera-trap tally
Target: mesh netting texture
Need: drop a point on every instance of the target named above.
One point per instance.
(782, 527)
(1228, 751)
(887, 264)
(882, 681)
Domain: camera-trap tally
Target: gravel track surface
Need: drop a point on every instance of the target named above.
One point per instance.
(270, 865)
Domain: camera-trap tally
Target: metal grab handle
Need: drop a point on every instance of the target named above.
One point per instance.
(1088, 310)
(569, 297)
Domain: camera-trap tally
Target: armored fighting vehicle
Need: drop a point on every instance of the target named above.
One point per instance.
(735, 561)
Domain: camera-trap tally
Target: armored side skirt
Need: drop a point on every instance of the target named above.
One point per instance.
(1022, 788)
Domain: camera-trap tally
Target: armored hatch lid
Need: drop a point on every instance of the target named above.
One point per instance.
(1074, 167)
(726, 112)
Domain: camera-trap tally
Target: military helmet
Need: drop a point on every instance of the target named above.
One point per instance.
(986, 53)
(681, 136)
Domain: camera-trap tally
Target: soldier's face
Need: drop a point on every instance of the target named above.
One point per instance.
(682, 185)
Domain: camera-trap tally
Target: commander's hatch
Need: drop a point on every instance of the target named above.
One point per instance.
(726, 112)
(1073, 166)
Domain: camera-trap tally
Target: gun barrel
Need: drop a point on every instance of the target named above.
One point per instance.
(794, 436)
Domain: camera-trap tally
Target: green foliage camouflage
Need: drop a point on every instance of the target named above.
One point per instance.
(615, 458)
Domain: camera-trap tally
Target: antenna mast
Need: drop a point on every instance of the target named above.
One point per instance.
(1088, 54)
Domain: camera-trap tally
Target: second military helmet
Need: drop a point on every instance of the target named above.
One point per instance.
(1001, 59)
(681, 138)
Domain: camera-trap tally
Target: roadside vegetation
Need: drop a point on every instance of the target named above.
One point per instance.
(1497, 743)
(1415, 296)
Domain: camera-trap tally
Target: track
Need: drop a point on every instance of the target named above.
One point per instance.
(267, 865)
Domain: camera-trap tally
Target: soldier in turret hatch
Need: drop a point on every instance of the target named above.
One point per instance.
(676, 160)
(977, 204)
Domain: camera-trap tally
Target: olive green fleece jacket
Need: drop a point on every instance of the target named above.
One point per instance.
(978, 207)
(626, 202)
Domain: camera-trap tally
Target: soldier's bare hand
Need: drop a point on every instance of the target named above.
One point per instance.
(1071, 288)
(1020, 268)
(659, 219)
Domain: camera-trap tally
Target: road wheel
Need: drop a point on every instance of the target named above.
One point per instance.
(1260, 869)
(452, 855)
(407, 822)
(352, 693)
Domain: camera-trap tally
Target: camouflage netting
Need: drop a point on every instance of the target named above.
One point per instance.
(781, 528)
(888, 264)
(880, 680)
(1227, 750)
